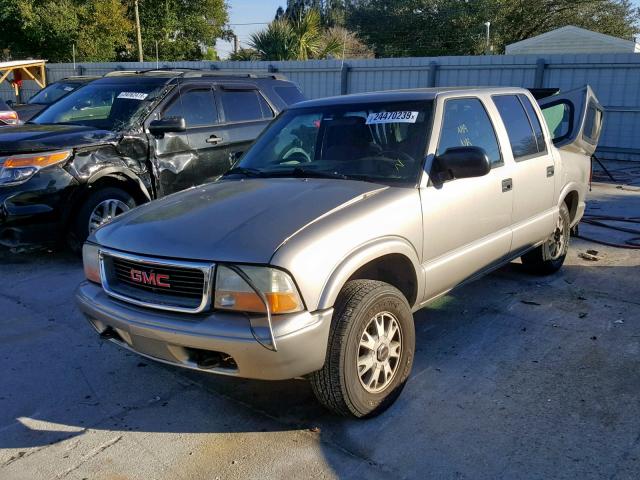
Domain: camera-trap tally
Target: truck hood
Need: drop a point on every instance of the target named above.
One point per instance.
(38, 138)
(230, 220)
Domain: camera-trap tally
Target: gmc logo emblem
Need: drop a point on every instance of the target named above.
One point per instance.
(150, 278)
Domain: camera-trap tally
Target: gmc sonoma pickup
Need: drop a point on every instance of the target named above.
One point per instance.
(347, 215)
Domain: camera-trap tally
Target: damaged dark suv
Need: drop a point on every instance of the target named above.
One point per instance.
(126, 139)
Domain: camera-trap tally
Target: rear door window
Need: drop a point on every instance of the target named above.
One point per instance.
(244, 105)
(290, 95)
(524, 143)
(535, 122)
(197, 107)
(466, 123)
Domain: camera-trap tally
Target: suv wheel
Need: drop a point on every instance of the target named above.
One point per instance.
(549, 257)
(370, 350)
(98, 208)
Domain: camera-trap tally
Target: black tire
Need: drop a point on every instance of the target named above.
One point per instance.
(338, 385)
(543, 260)
(79, 226)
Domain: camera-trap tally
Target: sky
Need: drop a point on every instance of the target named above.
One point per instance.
(248, 11)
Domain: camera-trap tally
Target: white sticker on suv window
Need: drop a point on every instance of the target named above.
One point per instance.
(133, 95)
(392, 117)
(68, 89)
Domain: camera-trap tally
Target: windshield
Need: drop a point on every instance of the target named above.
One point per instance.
(378, 142)
(53, 92)
(109, 106)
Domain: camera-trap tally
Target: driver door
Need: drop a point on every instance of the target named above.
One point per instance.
(197, 155)
(466, 221)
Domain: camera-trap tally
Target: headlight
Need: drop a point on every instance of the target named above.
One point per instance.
(20, 168)
(233, 293)
(91, 262)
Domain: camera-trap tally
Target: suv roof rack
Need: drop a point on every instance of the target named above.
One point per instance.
(186, 72)
(77, 77)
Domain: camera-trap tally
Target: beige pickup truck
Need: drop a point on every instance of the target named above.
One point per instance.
(346, 216)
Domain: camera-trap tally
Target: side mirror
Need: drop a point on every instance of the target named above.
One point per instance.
(462, 162)
(158, 128)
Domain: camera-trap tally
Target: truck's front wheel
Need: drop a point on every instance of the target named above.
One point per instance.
(370, 351)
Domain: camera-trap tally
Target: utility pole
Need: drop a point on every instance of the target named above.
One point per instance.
(235, 43)
(139, 35)
(487, 50)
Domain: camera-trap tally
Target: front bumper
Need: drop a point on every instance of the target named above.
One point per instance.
(35, 212)
(185, 339)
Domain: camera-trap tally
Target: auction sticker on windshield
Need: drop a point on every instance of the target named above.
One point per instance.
(392, 117)
(133, 95)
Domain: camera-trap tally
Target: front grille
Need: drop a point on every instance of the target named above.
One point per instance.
(181, 286)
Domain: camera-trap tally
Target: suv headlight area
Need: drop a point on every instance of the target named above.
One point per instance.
(18, 169)
(231, 291)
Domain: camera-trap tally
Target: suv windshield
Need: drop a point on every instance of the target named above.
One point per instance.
(378, 142)
(111, 105)
(53, 92)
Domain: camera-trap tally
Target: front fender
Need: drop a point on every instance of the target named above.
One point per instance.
(364, 254)
(125, 172)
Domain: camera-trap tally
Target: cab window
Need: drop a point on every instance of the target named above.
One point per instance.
(197, 107)
(523, 139)
(467, 123)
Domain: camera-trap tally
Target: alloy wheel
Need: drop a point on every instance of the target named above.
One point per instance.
(379, 352)
(106, 211)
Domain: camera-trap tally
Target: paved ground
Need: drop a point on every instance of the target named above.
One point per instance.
(515, 377)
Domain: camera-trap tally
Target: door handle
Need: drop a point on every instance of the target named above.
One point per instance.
(214, 140)
(550, 170)
(507, 185)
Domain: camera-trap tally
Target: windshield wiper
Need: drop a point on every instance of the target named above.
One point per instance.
(247, 172)
(305, 173)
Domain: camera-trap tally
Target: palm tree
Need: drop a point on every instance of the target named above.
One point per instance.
(302, 38)
(276, 42)
(308, 32)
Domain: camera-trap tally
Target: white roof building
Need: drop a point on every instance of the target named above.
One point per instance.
(572, 39)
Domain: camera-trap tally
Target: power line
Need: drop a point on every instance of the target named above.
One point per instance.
(250, 23)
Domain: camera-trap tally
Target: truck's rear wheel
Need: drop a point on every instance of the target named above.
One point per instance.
(370, 351)
(549, 257)
(98, 208)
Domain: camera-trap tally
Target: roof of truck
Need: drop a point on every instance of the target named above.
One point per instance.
(413, 94)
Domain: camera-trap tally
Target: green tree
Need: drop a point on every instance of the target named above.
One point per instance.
(332, 12)
(456, 27)
(39, 29)
(102, 30)
(519, 20)
(276, 42)
(245, 55)
(106, 31)
(299, 38)
(184, 29)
